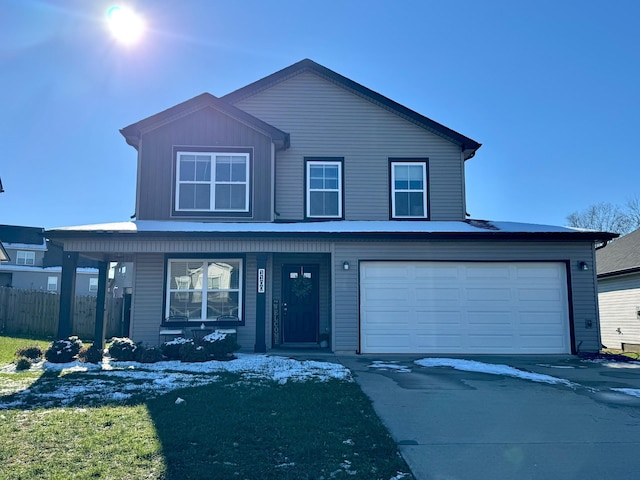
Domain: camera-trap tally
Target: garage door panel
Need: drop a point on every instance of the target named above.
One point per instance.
(438, 341)
(488, 294)
(489, 318)
(539, 295)
(466, 307)
(546, 320)
(502, 272)
(388, 341)
(493, 341)
(437, 317)
(436, 294)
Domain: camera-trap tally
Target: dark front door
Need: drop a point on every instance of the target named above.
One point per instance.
(300, 303)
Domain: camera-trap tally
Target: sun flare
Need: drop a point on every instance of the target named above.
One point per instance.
(126, 25)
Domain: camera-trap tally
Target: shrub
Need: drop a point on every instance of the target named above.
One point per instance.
(23, 363)
(220, 345)
(93, 354)
(149, 355)
(63, 351)
(32, 352)
(171, 349)
(123, 349)
(193, 353)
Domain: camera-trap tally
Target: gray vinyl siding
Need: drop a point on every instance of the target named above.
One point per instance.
(582, 292)
(147, 300)
(619, 299)
(204, 128)
(324, 119)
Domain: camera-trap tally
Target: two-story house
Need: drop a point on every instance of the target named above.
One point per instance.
(305, 206)
(32, 265)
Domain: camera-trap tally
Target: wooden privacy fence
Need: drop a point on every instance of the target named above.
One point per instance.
(33, 312)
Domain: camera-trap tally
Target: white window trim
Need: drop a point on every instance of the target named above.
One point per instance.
(23, 255)
(51, 284)
(205, 284)
(213, 182)
(309, 164)
(393, 189)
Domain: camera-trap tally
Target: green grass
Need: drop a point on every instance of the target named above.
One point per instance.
(9, 345)
(231, 429)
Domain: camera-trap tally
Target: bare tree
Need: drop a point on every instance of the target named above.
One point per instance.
(606, 217)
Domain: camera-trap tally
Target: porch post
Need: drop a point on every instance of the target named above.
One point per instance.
(261, 303)
(67, 294)
(101, 312)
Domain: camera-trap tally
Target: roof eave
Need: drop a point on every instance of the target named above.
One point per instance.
(615, 273)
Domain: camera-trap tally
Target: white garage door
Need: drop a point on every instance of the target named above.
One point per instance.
(447, 307)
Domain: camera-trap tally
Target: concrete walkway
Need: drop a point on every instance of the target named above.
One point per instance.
(456, 425)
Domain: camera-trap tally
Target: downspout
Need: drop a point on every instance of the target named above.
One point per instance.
(273, 176)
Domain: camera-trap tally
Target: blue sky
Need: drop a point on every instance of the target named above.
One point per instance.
(550, 89)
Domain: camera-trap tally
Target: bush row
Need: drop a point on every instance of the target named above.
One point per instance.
(215, 346)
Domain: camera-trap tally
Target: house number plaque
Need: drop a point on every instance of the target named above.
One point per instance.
(261, 275)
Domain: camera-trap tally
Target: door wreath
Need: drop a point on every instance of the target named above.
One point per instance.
(301, 287)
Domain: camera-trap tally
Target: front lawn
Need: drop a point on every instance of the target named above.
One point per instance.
(9, 345)
(256, 423)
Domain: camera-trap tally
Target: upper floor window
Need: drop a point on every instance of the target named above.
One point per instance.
(324, 188)
(409, 189)
(25, 257)
(212, 182)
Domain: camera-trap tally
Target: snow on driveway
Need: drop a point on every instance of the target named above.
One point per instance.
(493, 369)
(117, 381)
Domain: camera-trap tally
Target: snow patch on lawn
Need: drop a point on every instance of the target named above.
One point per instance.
(118, 381)
(493, 369)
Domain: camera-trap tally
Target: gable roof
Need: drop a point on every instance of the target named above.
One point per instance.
(467, 145)
(620, 257)
(133, 132)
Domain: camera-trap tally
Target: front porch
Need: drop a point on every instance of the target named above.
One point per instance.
(283, 298)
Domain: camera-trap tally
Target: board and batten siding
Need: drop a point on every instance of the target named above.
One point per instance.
(582, 291)
(204, 128)
(326, 120)
(619, 299)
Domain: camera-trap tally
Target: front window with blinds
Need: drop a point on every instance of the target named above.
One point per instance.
(212, 182)
(204, 289)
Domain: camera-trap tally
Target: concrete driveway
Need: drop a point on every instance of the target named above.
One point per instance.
(458, 425)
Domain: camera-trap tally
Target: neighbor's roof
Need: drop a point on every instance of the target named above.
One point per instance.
(24, 237)
(620, 257)
(467, 145)
(133, 132)
(475, 229)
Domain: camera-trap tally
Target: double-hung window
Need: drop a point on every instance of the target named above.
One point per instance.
(324, 188)
(52, 284)
(215, 182)
(25, 257)
(409, 189)
(204, 289)
(93, 284)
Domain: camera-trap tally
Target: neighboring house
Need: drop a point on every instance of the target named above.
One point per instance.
(4, 256)
(31, 267)
(619, 292)
(306, 205)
